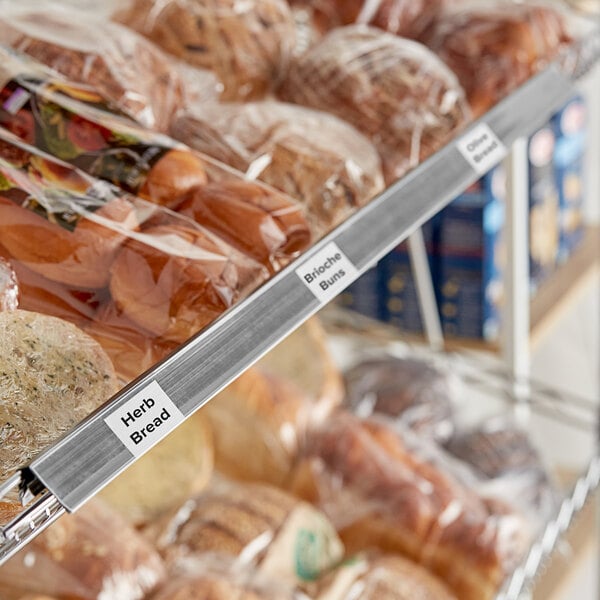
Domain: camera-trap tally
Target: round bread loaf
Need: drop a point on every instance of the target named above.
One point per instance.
(52, 375)
(258, 423)
(247, 44)
(170, 473)
(176, 173)
(395, 91)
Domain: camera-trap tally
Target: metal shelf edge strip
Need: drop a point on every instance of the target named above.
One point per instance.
(90, 456)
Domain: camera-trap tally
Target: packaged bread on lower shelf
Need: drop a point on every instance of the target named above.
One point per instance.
(264, 415)
(104, 256)
(382, 488)
(76, 124)
(263, 528)
(212, 578)
(375, 576)
(90, 555)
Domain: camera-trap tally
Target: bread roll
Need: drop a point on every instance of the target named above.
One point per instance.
(304, 360)
(176, 280)
(251, 218)
(174, 470)
(406, 18)
(125, 68)
(9, 286)
(258, 423)
(78, 257)
(248, 45)
(261, 527)
(382, 577)
(314, 157)
(413, 392)
(91, 554)
(496, 47)
(381, 494)
(397, 92)
(52, 375)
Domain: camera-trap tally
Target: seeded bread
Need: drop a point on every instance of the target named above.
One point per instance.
(52, 375)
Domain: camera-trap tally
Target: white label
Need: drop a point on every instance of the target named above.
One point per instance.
(327, 273)
(481, 148)
(145, 419)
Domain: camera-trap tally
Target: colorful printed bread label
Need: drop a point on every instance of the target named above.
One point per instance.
(145, 419)
(74, 124)
(327, 273)
(52, 189)
(481, 148)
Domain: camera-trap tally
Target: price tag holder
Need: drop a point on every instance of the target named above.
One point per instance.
(145, 419)
(327, 273)
(481, 148)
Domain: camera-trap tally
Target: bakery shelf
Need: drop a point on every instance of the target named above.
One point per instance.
(90, 456)
(489, 390)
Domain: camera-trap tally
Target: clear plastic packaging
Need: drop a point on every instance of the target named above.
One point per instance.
(382, 489)
(381, 577)
(9, 286)
(493, 47)
(396, 91)
(412, 391)
(217, 578)
(91, 555)
(125, 68)
(314, 157)
(260, 527)
(406, 18)
(102, 248)
(502, 455)
(247, 44)
(73, 124)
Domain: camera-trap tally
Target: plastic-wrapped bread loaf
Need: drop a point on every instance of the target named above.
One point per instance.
(382, 577)
(52, 376)
(216, 578)
(414, 392)
(259, 526)
(406, 18)
(493, 47)
(90, 555)
(247, 44)
(314, 157)
(396, 91)
(121, 65)
(73, 125)
(382, 493)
